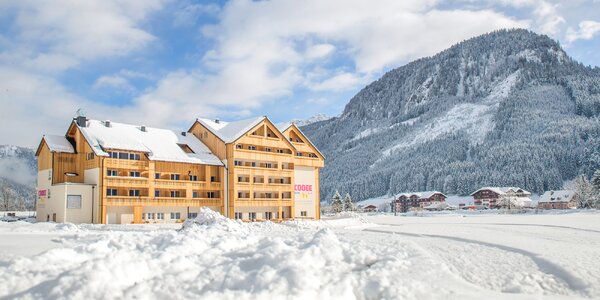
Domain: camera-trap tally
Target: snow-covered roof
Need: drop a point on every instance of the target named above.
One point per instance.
(557, 196)
(159, 144)
(58, 143)
(283, 126)
(503, 190)
(230, 131)
(420, 195)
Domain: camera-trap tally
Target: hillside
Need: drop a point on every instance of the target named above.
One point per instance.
(18, 171)
(505, 108)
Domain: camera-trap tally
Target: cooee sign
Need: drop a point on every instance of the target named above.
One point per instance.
(303, 187)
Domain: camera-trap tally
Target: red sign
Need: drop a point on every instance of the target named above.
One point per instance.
(303, 187)
(42, 193)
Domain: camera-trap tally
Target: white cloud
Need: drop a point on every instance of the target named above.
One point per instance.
(113, 82)
(188, 14)
(587, 30)
(268, 49)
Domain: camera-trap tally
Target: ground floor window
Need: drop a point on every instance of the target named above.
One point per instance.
(160, 216)
(238, 216)
(74, 201)
(303, 213)
(175, 216)
(268, 215)
(150, 216)
(252, 216)
(192, 215)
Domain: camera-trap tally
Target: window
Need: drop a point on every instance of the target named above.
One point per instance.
(150, 216)
(156, 175)
(251, 147)
(156, 193)
(134, 174)
(192, 215)
(123, 155)
(74, 201)
(213, 179)
(298, 153)
(283, 214)
(239, 146)
(111, 192)
(210, 195)
(238, 215)
(268, 165)
(89, 156)
(174, 176)
(134, 193)
(134, 156)
(253, 164)
(143, 216)
(268, 149)
(237, 163)
(279, 150)
(193, 177)
(175, 194)
(111, 173)
(195, 194)
(160, 216)
(252, 216)
(303, 213)
(113, 154)
(175, 216)
(268, 215)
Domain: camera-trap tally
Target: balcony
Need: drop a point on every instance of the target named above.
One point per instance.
(161, 201)
(121, 181)
(183, 184)
(125, 163)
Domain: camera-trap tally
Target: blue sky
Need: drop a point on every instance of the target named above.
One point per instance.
(166, 62)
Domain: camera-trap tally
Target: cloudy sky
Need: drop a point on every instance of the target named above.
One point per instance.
(165, 62)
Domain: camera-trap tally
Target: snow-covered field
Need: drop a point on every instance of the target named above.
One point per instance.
(450, 256)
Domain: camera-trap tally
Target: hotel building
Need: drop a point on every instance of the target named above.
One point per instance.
(114, 173)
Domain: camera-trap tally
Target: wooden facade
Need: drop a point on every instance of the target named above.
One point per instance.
(407, 201)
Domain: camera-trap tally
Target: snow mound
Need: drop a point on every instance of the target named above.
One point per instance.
(209, 218)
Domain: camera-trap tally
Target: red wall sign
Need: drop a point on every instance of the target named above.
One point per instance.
(303, 187)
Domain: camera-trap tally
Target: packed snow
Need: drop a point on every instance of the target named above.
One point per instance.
(350, 256)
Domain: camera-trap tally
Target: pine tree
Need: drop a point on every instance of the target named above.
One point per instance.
(348, 203)
(336, 203)
(596, 180)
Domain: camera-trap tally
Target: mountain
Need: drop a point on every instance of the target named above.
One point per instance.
(508, 108)
(313, 119)
(18, 173)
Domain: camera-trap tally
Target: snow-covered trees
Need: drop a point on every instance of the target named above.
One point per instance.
(587, 195)
(348, 203)
(336, 204)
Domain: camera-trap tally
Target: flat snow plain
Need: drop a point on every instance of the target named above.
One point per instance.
(430, 256)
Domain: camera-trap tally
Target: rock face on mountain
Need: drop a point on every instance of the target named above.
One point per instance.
(18, 171)
(508, 108)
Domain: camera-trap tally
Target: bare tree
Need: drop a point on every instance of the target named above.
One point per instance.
(7, 198)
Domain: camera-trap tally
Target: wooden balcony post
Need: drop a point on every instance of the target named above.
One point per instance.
(137, 214)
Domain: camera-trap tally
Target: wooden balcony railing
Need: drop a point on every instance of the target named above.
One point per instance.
(162, 201)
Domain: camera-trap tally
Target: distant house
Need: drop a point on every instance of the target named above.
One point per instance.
(370, 208)
(494, 197)
(417, 200)
(563, 199)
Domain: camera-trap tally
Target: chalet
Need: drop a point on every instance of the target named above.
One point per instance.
(494, 197)
(563, 199)
(369, 208)
(108, 172)
(406, 201)
(272, 173)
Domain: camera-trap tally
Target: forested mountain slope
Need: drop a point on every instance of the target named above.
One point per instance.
(505, 108)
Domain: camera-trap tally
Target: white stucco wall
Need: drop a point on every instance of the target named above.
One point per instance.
(305, 185)
(92, 176)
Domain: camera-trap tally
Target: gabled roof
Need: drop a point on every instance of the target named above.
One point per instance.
(228, 132)
(420, 195)
(557, 196)
(56, 143)
(503, 190)
(285, 126)
(159, 144)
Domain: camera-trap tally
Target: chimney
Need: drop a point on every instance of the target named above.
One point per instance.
(143, 128)
(183, 133)
(217, 121)
(81, 121)
(107, 123)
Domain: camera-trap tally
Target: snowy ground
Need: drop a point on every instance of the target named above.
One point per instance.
(450, 256)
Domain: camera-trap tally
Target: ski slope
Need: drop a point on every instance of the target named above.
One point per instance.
(435, 256)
